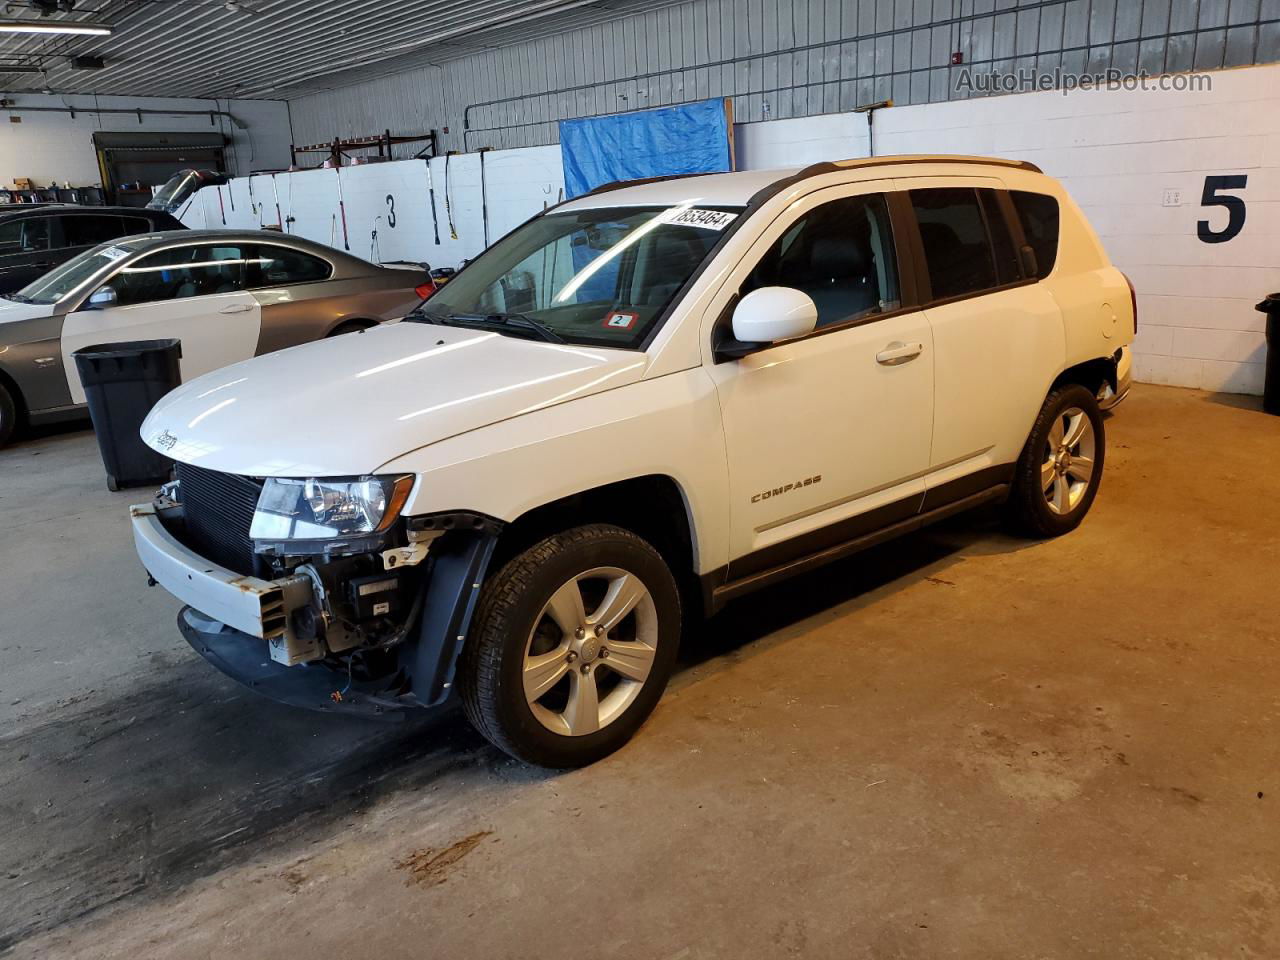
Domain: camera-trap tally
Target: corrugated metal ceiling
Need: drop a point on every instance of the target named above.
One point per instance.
(274, 49)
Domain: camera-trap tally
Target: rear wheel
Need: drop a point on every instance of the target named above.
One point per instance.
(8, 415)
(572, 646)
(1058, 473)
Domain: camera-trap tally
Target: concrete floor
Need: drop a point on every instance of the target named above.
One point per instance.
(958, 745)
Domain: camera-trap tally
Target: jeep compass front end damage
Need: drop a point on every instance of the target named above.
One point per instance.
(317, 592)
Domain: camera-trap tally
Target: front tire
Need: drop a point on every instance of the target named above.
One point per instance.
(1058, 473)
(573, 643)
(8, 416)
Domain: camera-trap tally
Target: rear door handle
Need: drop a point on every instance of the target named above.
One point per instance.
(899, 352)
(236, 308)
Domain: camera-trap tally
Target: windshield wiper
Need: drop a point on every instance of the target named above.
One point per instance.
(544, 330)
(17, 298)
(497, 322)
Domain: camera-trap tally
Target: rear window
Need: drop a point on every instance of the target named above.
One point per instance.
(1040, 224)
(281, 265)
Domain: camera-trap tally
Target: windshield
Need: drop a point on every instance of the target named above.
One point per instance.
(65, 279)
(600, 277)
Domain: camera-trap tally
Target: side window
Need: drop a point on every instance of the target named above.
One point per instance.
(10, 237)
(1040, 223)
(89, 230)
(280, 266)
(195, 271)
(1008, 269)
(25, 235)
(135, 225)
(841, 254)
(957, 250)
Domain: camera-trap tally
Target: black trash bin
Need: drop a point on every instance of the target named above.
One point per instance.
(1271, 382)
(122, 382)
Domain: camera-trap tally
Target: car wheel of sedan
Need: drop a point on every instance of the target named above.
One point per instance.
(8, 416)
(573, 642)
(1060, 469)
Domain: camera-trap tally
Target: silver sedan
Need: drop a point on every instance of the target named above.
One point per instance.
(227, 295)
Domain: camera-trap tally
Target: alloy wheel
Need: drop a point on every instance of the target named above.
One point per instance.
(1066, 471)
(590, 651)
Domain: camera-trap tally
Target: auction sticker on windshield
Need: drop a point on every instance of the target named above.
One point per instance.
(621, 320)
(694, 217)
(114, 253)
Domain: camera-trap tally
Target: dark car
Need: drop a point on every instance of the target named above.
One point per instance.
(35, 238)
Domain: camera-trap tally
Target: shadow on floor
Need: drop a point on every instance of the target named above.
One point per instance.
(1241, 401)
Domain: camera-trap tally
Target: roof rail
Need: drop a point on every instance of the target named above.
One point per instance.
(934, 158)
(830, 166)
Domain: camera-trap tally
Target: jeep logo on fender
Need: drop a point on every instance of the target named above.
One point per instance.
(786, 488)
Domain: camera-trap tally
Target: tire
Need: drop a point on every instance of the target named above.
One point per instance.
(517, 634)
(1058, 474)
(8, 415)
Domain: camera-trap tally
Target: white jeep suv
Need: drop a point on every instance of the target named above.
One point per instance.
(635, 407)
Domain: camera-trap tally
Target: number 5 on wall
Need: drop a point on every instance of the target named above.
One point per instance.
(1235, 207)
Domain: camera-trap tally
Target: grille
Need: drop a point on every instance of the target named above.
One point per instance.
(218, 511)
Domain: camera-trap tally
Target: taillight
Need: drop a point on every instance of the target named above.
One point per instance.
(1133, 299)
(425, 290)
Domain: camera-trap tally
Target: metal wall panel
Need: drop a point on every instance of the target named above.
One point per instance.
(782, 58)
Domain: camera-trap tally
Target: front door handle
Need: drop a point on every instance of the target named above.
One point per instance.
(236, 308)
(899, 352)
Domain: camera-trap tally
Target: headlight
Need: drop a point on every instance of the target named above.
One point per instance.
(315, 509)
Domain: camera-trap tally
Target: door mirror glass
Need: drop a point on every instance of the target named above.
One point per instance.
(101, 298)
(770, 314)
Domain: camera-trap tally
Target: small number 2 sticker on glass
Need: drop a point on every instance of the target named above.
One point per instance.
(621, 320)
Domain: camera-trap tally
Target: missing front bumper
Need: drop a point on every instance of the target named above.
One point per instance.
(260, 608)
(229, 616)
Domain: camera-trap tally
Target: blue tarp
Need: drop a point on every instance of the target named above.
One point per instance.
(691, 138)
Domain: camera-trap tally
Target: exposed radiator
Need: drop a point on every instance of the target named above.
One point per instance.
(218, 510)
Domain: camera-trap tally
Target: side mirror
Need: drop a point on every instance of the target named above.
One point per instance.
(771, 314)
(101, 298)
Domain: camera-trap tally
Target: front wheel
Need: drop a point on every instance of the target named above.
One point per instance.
(1058, 473)
(8, 416)
(573, 642)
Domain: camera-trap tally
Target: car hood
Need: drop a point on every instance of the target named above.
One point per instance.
(11, 311)
(349, 404)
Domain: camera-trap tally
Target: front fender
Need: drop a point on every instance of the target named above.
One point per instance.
(31, 357)
(668, 426)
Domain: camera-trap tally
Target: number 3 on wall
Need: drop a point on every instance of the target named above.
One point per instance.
(1235, 207)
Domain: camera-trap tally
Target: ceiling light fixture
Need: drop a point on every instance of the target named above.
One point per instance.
(60, 26)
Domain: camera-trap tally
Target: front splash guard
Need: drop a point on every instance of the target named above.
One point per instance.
(313, 686)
